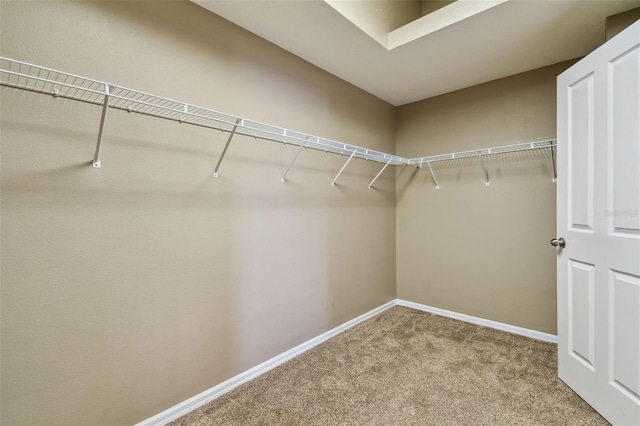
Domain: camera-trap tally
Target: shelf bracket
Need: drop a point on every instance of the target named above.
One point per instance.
(293, 160)
(553, 163)
(486, 173)
(433, 175)
(379, 173)
(333, 182)
(103, 120)
(224, 151)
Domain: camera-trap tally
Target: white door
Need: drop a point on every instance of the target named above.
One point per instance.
(599, 219)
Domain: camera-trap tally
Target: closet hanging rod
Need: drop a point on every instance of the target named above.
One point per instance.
(528, 146)
(26, 76)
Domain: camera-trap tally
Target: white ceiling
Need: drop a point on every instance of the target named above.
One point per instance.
(510, 38)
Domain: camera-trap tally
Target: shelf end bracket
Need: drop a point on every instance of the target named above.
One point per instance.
(379, 173)
(293, 160)
(333, 182)
(103, 119)
(226, 146)
(553, 163)
(433, 175)
(486, 173)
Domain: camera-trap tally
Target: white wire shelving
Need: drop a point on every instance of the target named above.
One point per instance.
(23, 75)
(36, 78)
(549, 144)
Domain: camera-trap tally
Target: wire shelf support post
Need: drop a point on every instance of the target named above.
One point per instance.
(333, 182)
(283, 179)
(103, 120)
(226, 146)
(486, 173)
(553, 163)
(379, 173)
(433, 175)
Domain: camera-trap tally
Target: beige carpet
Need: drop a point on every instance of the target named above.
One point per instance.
(406, 367)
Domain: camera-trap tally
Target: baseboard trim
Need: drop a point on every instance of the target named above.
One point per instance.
(481, 321)
(199, 400)
(202, 398)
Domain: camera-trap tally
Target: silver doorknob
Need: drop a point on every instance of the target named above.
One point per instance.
(558, 242)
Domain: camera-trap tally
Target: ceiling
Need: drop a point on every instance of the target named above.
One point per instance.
(506, 38)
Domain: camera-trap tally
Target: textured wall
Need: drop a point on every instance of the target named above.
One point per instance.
(482, 251)
(128, 289)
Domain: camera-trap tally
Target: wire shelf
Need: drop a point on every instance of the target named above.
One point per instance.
(26, 76)
(23, 75)
(528, 146)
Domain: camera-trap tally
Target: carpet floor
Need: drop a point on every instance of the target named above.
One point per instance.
(407, 367)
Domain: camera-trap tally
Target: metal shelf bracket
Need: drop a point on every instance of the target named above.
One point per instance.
(226, 146)
(486, 173)
(103, 120)
(379, 173)
(553, 163)
(433, 175)
(333, 182)
(293, 160)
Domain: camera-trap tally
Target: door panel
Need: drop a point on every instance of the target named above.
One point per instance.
(625, 333)
(625, 150)
(580, 144)
(581, 315)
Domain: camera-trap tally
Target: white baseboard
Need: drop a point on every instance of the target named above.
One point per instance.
(199, 400)
(481, 321)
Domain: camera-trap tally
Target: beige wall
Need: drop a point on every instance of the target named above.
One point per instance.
(378, 18)
(482, 251)
(428, 6)
(617, 23)
(129, 289)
